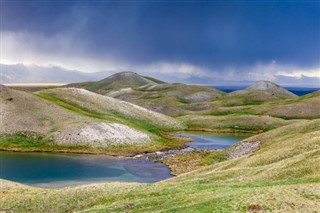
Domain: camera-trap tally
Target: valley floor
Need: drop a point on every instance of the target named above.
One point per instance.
(283, 175)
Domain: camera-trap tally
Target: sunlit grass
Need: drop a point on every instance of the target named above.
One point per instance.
(282, 176)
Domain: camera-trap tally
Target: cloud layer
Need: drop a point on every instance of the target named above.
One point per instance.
(190, 41)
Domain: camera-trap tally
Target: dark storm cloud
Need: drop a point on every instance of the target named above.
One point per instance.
(211, 34)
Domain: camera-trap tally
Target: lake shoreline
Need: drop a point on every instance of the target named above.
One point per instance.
(154, 157)
(127, 153)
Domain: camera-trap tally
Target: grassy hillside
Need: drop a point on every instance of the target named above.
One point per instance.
(60, 120)
(267, 89)
(234, 122)
(303, 107)
(307, 106)
(166, 98)
(283, 175)
(116, 81)
(23, 112)
(261, 98)
(106, 107)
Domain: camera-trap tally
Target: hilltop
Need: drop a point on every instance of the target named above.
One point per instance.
(167, 98)
(269, 86)
(259, 92)
(116, 82)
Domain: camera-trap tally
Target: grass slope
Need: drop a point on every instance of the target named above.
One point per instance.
(116, 81)
(92, 104)
(23, 112)
(153, 94)
(261, 98)
(234, 122)
(303, 107)
(282, 176)
(50, 113)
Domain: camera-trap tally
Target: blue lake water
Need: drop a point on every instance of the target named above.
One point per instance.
(212, 141)
(58, 170)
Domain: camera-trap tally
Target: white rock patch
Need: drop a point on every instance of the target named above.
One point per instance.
(200, 96)
(146, 86)
(120, 92)
(102, 135)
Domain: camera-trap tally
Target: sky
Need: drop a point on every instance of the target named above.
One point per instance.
(186, 41)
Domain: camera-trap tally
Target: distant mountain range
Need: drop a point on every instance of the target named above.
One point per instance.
(20, 73)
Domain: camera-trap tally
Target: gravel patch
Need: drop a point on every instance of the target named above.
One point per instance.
(200, 97)
(102, 135)
(158, 156)
(244, 148)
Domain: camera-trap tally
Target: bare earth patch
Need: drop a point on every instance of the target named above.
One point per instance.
(102, 135)
(244, 148)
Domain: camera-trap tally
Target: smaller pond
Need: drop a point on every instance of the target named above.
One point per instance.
(59, 170)
(205, 140)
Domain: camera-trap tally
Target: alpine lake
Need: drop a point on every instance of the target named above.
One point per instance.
(51, 170)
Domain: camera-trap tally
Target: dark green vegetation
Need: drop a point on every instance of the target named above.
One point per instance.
(21, 141)
(70, 106)
(29, 143)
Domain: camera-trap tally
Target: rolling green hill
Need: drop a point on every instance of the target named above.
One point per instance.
(75, 119)
(166, 98)
(303, 107)
(117, 81)
(261, 98)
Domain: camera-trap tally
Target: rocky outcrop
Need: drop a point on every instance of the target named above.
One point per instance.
(244, 148)
(160, 155)
(120, 92)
